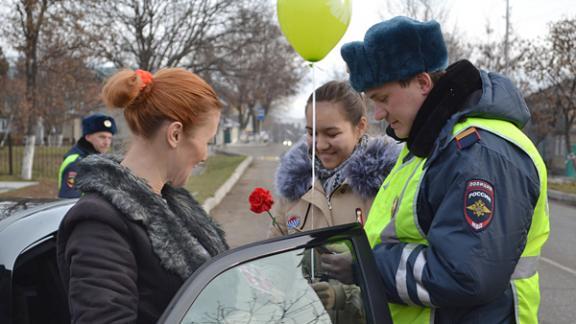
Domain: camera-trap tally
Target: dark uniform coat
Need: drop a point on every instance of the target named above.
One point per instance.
(467, 271)
(69, 168)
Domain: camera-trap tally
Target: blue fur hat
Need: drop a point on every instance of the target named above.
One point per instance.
(393, 50)
(98, 123)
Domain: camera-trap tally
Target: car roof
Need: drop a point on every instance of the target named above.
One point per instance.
(26, 228)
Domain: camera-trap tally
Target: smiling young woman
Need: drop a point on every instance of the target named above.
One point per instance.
(349, 165)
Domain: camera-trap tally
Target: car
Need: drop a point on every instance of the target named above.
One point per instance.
(260, 282)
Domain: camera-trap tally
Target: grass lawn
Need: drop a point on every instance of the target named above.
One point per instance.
(217, 170)
(568, 187)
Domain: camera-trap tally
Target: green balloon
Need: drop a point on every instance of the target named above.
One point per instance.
(314, 27)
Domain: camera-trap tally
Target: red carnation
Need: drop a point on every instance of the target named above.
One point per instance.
(260, 200)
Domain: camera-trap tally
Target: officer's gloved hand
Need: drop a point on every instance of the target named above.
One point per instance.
(338, 266)
(331, 293)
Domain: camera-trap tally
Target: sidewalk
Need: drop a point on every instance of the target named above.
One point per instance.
(240, 224)
(6, 186)
(556, 195)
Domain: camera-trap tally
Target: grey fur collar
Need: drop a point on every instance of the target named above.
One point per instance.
(182, 235)
(364, 174)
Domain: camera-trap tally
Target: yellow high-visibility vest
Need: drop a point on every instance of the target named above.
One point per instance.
(394, 211)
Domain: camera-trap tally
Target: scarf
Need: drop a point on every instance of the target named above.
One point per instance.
(182, 235)
(333, 178)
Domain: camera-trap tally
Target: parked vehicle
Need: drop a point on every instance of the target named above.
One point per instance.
(260, 282)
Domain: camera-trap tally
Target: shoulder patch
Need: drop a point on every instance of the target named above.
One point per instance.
(467, 138)
(478, 204)
(71, 179)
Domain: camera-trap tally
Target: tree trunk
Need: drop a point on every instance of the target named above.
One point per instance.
(28, 158)
(240, 119)
(567, 140)
(8, 130)
(255, 124)
(244, 118)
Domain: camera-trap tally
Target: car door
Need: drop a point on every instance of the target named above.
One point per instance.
(275, 281)
(30, 287)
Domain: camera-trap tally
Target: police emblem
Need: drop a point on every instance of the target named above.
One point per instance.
(71, 179)
(293, 222)
(478, 204)
(107, 123)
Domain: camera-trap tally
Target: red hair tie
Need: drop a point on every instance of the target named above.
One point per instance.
(145, 76)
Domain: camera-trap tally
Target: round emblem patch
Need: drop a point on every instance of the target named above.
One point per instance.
(293, 221)
(107, 123)
(478, 204)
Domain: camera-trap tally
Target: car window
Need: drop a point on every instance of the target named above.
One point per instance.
(277, 289)
(37, 292)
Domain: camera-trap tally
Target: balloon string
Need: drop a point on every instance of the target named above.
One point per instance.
(313, 155)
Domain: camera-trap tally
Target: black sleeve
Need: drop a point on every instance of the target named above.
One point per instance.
(103, 276)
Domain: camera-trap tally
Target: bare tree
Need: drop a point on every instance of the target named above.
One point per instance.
(419, 9)
(4, 66)
(266, 69)
(69, 88)
(7, 95)
(425, 10)
(552, 65)
(48, 35)
(151, 34)
(27, 23)
(4, 80)
(543, 120)
(503, 55)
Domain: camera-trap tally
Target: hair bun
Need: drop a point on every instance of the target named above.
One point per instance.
(121, 89)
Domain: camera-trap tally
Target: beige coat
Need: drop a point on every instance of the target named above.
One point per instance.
(300, 208)
(314, 210)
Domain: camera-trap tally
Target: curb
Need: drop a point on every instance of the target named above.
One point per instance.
(213, 201)
(562, 196)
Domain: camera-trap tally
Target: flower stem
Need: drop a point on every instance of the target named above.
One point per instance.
(275, 223)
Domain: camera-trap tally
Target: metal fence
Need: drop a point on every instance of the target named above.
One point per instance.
(47, 159)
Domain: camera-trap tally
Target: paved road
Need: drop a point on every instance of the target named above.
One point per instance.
(557, 268)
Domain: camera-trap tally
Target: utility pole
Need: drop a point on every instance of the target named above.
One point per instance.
(507, 37)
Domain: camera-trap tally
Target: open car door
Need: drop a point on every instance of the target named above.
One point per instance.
(272, 282)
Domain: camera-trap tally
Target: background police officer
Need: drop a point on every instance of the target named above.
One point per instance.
(97, 132)
(458, 225)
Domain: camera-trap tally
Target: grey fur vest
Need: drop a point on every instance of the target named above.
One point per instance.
(182, 235)
(364, 173)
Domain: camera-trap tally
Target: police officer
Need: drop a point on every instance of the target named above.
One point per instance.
(97, 132)
(458, 225)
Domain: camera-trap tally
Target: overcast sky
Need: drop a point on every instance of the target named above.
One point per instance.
(529, 19)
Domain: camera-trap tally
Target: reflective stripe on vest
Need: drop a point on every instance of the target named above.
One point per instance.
(393, 218)
(69, 159)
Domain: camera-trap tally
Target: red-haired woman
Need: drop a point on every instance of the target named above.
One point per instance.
(128, 244)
